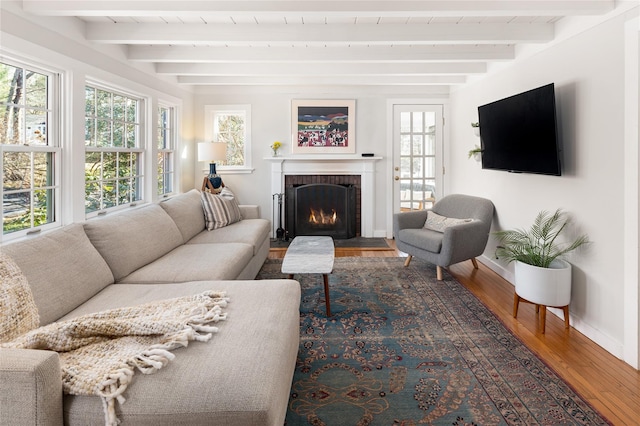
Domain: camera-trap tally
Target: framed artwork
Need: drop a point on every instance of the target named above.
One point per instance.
(323, 126)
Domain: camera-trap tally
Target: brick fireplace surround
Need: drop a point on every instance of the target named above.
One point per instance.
(291, 181)
(331, 165)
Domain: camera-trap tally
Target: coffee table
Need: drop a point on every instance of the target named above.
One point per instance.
(311, 255)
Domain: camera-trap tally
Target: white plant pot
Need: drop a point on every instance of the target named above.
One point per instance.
(544, 286)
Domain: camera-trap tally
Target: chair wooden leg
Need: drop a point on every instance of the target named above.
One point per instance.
(408, 260)
(439, 273)
(565, 309)
(475, 263)
(516, 304)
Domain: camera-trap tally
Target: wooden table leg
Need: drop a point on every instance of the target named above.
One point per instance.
(325, 278)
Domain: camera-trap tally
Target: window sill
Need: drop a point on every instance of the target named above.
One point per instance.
(232, 171)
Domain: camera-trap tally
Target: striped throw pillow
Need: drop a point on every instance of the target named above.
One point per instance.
(220, 209)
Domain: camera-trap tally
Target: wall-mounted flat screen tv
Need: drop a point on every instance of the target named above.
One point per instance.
(519, 134)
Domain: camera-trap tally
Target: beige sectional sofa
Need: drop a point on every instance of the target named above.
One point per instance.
(242, 376)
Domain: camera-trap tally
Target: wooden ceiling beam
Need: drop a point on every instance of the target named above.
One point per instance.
(327, 8)
(322, 69)
(318, 34)
(335, 54)
(326, 81)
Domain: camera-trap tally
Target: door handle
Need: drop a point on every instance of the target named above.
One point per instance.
(396, 178)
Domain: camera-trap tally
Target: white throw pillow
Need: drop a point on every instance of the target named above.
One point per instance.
(438, 223)
(220, 209)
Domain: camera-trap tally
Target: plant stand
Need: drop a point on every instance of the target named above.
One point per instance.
(543, 287)
(543, 316)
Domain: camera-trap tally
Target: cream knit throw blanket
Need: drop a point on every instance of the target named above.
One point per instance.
(99, 352)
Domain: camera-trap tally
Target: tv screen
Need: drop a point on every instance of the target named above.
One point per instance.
(518, 133)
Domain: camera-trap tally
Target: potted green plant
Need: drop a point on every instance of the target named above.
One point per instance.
(476, 153)
(542, 276)
(476, 128)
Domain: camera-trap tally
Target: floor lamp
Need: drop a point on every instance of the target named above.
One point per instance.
(212, 151)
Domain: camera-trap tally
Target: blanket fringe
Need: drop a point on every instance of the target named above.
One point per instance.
(156, 357)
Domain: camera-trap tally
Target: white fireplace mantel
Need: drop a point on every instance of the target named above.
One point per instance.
(331, 165)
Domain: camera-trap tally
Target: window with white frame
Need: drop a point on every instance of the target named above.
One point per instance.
(166, 150)
(29, 148)
(113, 149)
(231, 124)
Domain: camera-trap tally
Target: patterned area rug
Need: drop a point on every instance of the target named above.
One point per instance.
(404, 349)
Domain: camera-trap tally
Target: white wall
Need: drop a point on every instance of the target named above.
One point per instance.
(588, 72)
(271, 121)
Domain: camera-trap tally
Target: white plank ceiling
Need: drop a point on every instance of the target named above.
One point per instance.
(415, 43)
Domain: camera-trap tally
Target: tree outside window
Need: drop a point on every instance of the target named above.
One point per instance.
(113, 157)
(28, 154)
(166, 150)
(231, 124)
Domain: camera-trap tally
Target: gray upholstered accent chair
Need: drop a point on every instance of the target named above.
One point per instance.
(457, 243)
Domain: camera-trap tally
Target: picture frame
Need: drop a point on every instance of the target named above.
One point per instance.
(325, 126)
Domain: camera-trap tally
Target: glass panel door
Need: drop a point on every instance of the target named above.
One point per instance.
(417, 156)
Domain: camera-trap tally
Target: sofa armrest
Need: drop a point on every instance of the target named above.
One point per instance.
(250, 211)
(31, 384)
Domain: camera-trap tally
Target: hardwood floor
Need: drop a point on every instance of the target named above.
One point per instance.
(607, 383)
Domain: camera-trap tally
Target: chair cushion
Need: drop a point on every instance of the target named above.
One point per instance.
(423, 238)
(438, 223)
(220, 210)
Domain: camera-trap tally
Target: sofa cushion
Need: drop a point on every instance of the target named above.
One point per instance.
(220, 210)
(132, 239)
(242, 376)
(194, 262)
(63, 270)
(247, 231)
(424, 239)
(186, 211)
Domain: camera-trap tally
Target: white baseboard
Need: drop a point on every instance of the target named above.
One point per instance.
(379, 233)
(606, 342)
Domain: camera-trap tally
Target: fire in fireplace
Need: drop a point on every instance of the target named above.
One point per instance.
(321, 209)
(319, 217)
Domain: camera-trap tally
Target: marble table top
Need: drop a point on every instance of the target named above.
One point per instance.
(309, 255)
